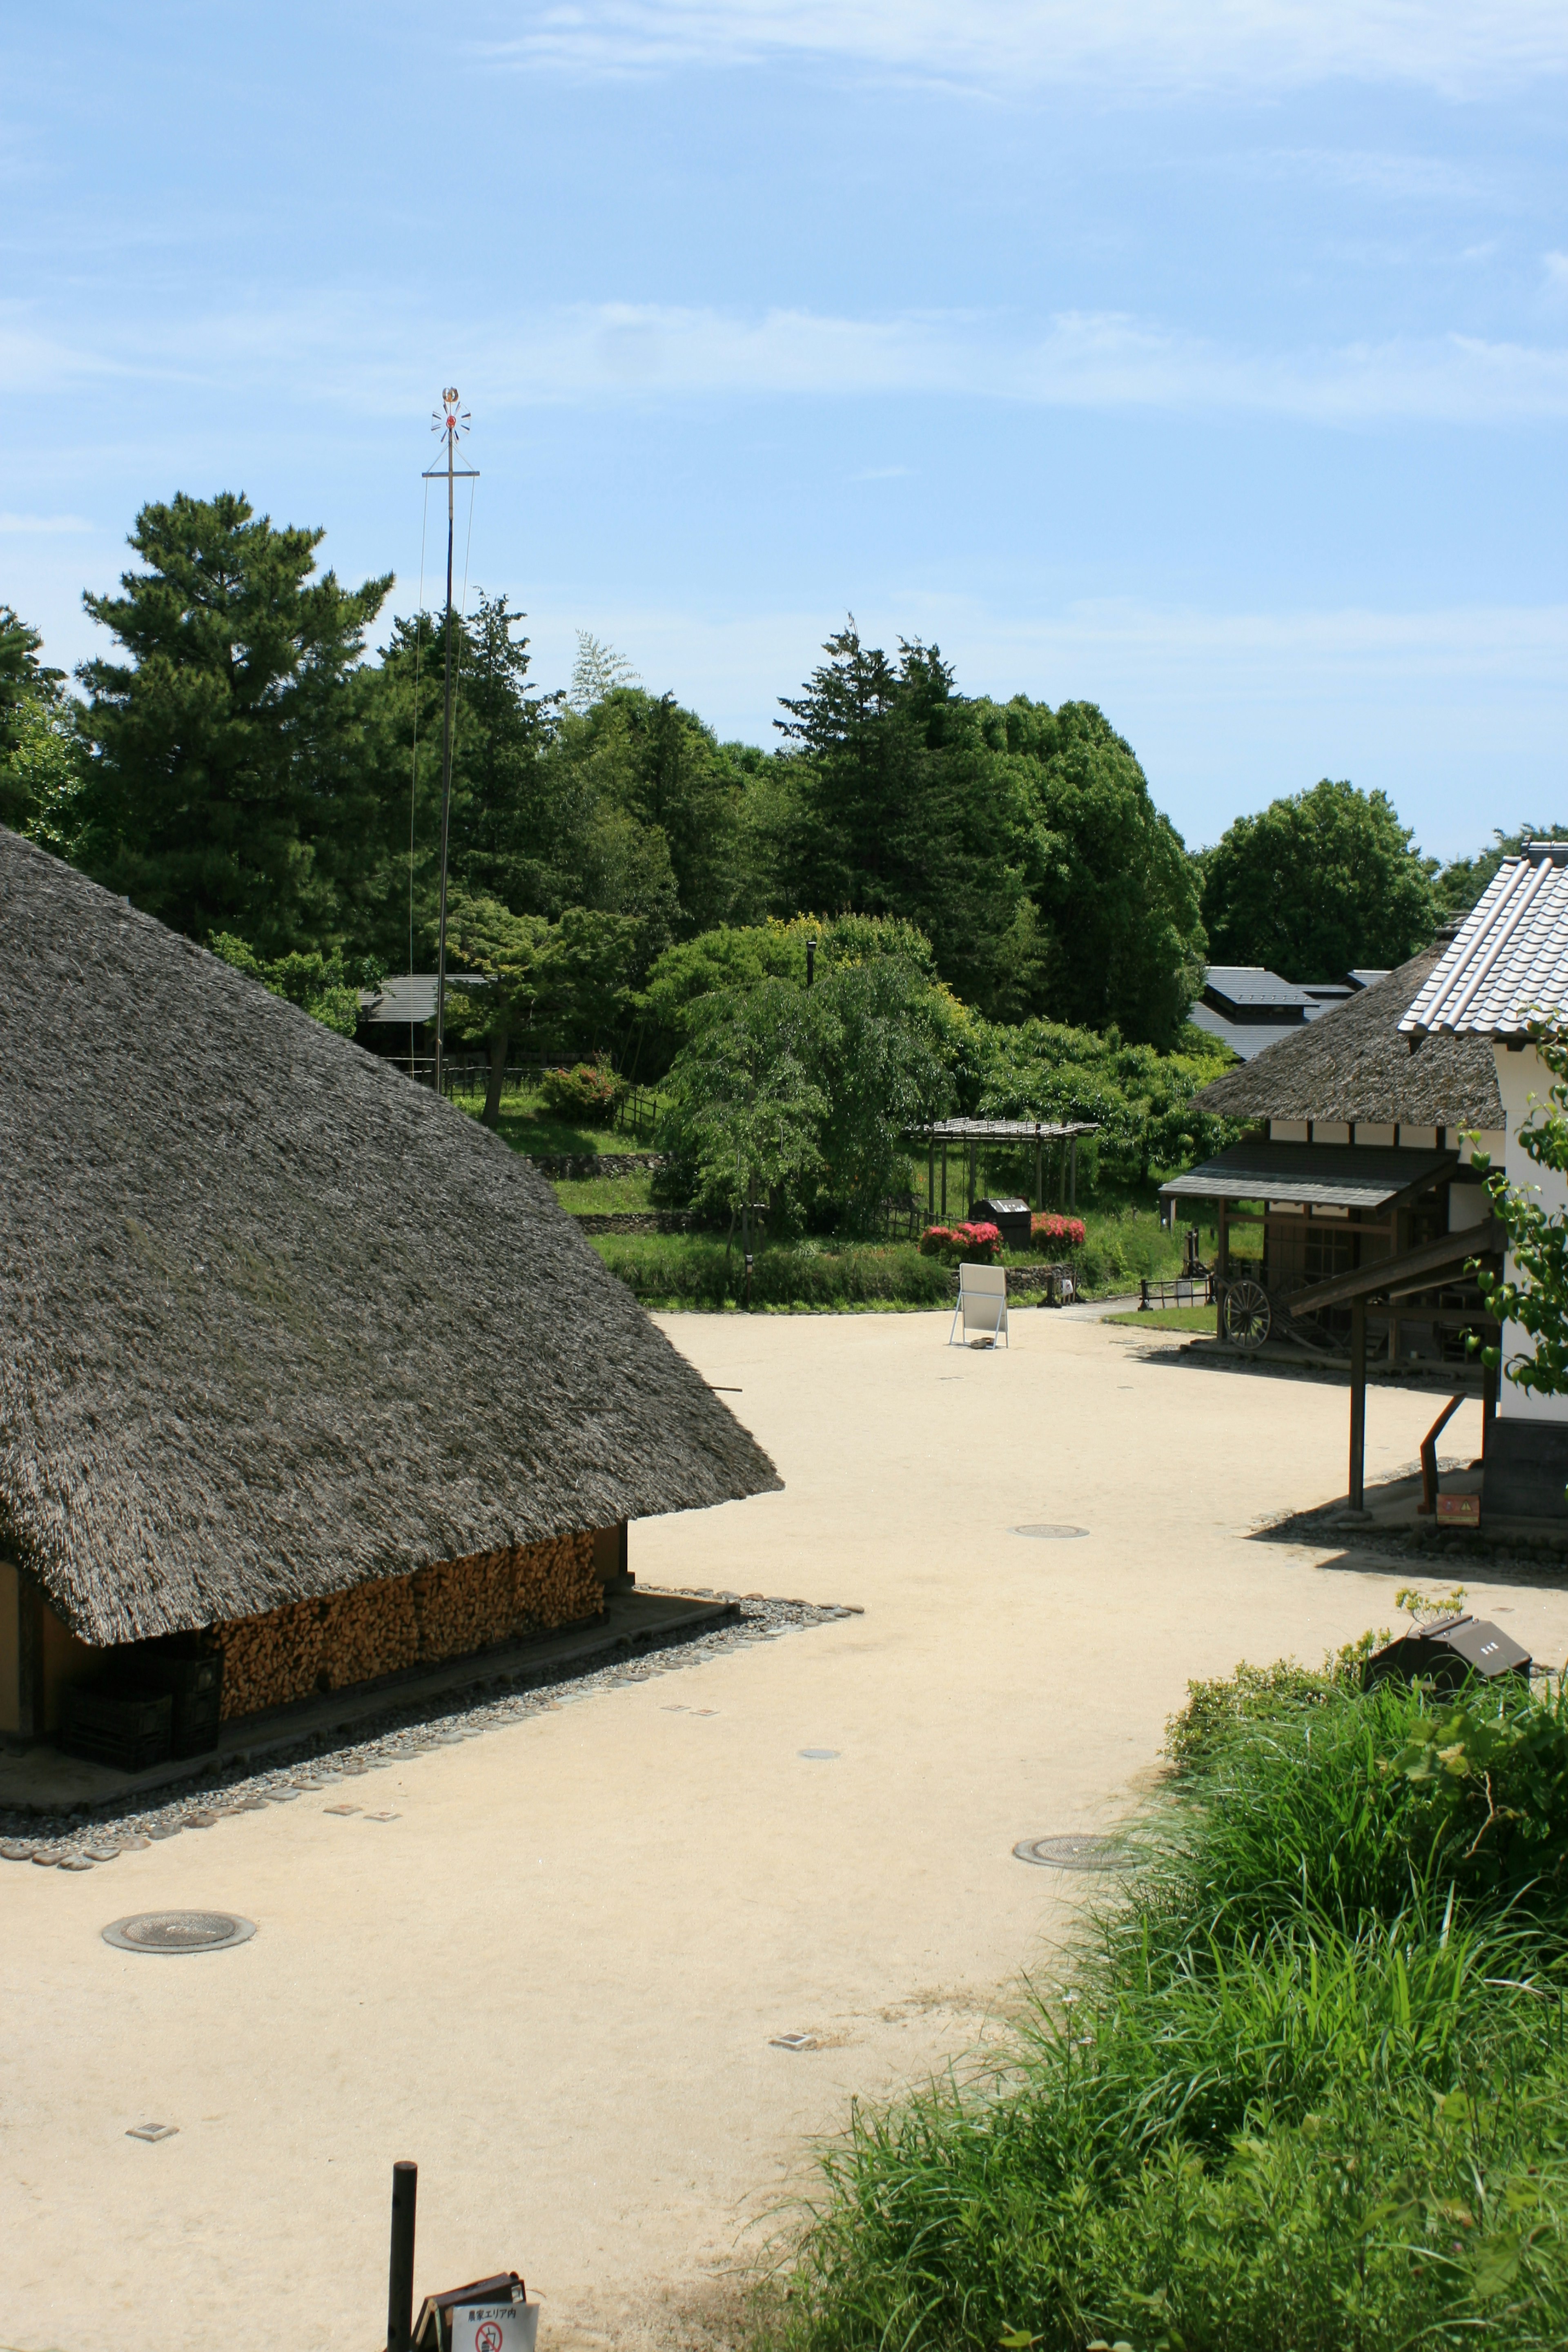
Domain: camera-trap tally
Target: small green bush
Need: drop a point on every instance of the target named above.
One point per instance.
(589, 1092)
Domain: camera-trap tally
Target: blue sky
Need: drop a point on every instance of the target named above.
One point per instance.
(1208, 359)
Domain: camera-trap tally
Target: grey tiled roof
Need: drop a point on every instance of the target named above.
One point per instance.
(1510, 961)
(1328, 1175)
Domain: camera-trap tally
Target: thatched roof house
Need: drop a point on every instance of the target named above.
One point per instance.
(274, 1322)
(1353, 1067)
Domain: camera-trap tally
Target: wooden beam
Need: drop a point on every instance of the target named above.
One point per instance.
(1417, 1269)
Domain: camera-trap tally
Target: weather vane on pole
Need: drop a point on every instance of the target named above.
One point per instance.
(451, 422)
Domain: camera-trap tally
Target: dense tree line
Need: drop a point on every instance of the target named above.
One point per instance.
(245, 766)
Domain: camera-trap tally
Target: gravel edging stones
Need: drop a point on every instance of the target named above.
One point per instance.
(84, 1837)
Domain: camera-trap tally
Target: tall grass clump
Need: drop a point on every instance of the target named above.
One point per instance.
(1305, 2090)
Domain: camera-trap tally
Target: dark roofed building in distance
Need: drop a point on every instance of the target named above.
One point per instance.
(297, 1362)
(1250, 1008)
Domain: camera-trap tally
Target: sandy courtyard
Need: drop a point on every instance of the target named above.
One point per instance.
(553, 1980)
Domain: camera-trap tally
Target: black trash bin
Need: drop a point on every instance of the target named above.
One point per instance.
(1012, 1219)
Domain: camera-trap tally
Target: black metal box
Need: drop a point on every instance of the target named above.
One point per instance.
(1447, 1653)
(1013, 1220)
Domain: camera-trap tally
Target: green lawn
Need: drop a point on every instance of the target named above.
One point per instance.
(528, 1127)
(1168, 1319)
(605, 1195)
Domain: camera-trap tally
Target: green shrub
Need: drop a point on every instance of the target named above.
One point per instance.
(695, 1270)
(590, 1092)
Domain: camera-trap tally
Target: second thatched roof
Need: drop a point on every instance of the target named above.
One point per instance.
(1354, 1064)
(274, 1320)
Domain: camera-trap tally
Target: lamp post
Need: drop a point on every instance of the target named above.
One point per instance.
(451, 422)
(810, 957)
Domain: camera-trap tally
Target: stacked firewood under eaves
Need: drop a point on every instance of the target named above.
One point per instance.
(441, 1612)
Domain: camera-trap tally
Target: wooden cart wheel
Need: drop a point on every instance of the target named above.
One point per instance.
(1247, 1315)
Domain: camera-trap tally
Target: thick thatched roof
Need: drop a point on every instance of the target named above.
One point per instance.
(274, 1320)
(1352, 1063)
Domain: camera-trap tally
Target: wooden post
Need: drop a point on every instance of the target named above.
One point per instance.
(1221, 1267)
(1358, 1403)
(1492, 1380)
(1072, 1173)
(931, 1178)
(400, 2278)
(973, 1173)
(1039, 1172)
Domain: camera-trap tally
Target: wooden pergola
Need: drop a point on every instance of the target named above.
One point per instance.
(973, 1132)
(1385, 1281)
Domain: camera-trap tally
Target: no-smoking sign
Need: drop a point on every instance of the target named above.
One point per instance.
(495, 2327)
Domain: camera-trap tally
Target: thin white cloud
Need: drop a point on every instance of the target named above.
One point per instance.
(362, 357)
(43, 523)
(1460, 48)
(1088, 359)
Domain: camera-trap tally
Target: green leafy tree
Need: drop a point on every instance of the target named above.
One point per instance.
(880, 1034)
(1535, 1294)
(866, 1053)
(1022, 841)
(512, 954)
(325, 986)
(1115, 937)
(648, 807)
(40, 750)
(739, 957)
(1321, 883)
(229, 789)
(505, 841)
(748, 1108)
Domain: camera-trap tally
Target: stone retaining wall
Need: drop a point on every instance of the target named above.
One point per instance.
(634, 1221)
(567, 1167)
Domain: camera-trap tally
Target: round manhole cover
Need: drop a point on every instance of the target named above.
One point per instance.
(1041, 1528)
(1070, 1852)
(179, 1931)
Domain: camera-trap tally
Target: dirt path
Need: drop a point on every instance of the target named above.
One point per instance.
(555, 1977)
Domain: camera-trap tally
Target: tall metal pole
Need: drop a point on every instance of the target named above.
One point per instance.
(449, 423)
(446, 787)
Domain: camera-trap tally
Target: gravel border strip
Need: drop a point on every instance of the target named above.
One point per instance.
(82, 1836)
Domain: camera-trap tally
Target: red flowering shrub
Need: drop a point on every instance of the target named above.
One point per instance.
(1056, 1232)
(966, 1244)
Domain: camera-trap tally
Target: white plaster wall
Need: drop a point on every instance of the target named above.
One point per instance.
(1521, 1076)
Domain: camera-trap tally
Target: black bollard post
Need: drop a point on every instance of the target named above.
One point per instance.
(400, 2277)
